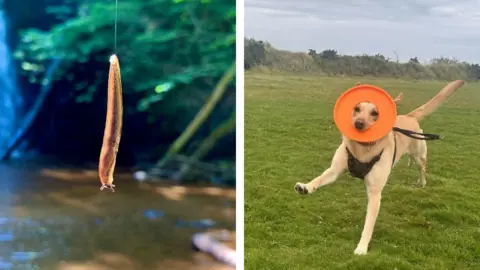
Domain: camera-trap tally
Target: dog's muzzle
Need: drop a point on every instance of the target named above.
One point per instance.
(359, 124)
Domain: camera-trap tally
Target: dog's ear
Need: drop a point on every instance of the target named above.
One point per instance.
(398, 98)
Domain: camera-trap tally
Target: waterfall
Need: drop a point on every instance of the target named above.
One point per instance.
(10, 98)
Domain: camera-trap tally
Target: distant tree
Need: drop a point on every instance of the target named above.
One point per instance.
(474, 71)
(414, 60)
(329, 54)
(254, 53)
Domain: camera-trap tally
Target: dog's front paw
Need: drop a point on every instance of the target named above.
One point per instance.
(360, 250)
(301, 188)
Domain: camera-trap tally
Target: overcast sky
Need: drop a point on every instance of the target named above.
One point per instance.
(422, 28)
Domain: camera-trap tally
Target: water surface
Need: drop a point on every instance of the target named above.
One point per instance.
(55, 217)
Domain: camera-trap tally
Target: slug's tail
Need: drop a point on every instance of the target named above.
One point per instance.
(107, 186)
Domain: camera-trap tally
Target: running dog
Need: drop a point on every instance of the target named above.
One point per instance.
(373, 161)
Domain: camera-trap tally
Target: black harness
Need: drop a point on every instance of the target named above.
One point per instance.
(361, 169)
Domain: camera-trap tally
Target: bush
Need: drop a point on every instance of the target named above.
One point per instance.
(263, 54)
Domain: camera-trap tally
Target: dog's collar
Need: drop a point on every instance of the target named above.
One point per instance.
(366, 143)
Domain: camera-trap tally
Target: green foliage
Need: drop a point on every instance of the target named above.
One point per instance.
(162, 45)
(329, 62)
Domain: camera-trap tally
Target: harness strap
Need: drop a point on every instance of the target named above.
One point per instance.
(360, 169)
(394, 149)
(416, 135)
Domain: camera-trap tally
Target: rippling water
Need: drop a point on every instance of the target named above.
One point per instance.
(56, 218)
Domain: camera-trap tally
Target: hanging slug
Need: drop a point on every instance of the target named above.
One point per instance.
(113, 126)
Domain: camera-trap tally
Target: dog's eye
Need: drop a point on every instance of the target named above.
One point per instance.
(357, 109)
(374, 113)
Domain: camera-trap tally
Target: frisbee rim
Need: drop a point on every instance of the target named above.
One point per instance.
(383, 101)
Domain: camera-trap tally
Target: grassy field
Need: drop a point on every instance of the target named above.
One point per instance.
(290, 137)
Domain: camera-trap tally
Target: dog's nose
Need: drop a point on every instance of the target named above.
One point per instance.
(359, 124)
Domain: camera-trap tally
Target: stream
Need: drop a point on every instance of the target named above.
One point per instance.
(55, 217)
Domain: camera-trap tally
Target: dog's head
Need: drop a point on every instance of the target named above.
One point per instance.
(364, 115)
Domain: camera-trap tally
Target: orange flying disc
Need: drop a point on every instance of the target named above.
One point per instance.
(387, 112)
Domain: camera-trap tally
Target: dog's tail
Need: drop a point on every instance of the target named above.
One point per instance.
(433, 104)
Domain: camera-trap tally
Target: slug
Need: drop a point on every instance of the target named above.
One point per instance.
(113, 126)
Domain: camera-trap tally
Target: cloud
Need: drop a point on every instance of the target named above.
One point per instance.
(422, 28)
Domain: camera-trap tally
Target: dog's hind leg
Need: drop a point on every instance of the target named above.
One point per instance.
(338, 166)
(410, 161)
(419, 154)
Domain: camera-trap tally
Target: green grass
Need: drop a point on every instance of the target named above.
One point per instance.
(290, 137)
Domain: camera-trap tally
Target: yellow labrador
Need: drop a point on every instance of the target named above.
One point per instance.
(373, 161)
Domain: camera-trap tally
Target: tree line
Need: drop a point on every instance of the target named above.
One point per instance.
(261, 54)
